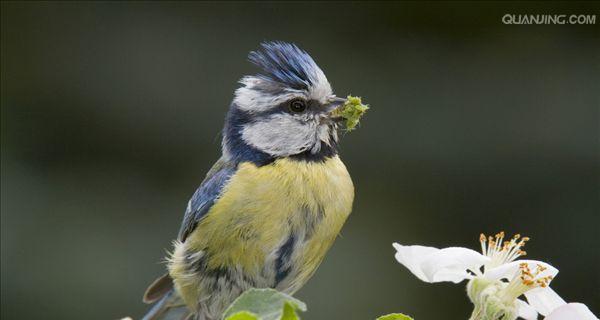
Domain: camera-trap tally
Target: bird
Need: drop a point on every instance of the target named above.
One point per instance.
(270, 208)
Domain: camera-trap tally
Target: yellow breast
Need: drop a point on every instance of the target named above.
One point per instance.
(261, 207)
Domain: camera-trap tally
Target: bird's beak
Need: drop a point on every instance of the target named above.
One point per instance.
(333, 104)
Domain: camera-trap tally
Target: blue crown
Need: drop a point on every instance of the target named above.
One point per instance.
(285, 63)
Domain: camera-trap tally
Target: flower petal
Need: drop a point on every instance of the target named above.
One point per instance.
(544, 300)
(451, 264)
(436, 265)
(511, 269)
(412, 256)
(526, 311)
(572, 311)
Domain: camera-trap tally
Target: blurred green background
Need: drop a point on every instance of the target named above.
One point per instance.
(111, 115)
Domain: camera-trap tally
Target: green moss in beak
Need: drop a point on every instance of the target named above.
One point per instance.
(352, 110)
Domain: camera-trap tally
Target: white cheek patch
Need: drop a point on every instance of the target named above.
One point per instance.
(281, 135)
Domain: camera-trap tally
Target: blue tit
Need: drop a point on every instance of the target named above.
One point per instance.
(270, 208)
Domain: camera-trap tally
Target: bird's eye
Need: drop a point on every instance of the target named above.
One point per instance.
(297, 106)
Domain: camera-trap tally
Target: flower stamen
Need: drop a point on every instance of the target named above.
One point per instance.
(501, 252)
(525, 280)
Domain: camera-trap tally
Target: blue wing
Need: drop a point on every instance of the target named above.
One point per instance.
(206, 195)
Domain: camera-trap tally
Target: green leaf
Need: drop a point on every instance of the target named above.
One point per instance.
(266, 304)
(242, 315)
(289, 312)
(395, 316)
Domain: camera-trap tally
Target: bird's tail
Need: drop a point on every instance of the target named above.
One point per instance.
(167, 304)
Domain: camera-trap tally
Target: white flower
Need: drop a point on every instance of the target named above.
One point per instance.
(496, 280)
(571, 311)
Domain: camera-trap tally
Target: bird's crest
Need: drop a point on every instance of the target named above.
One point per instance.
(287, 64)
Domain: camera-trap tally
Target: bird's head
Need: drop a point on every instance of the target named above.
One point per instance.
(284, 111)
